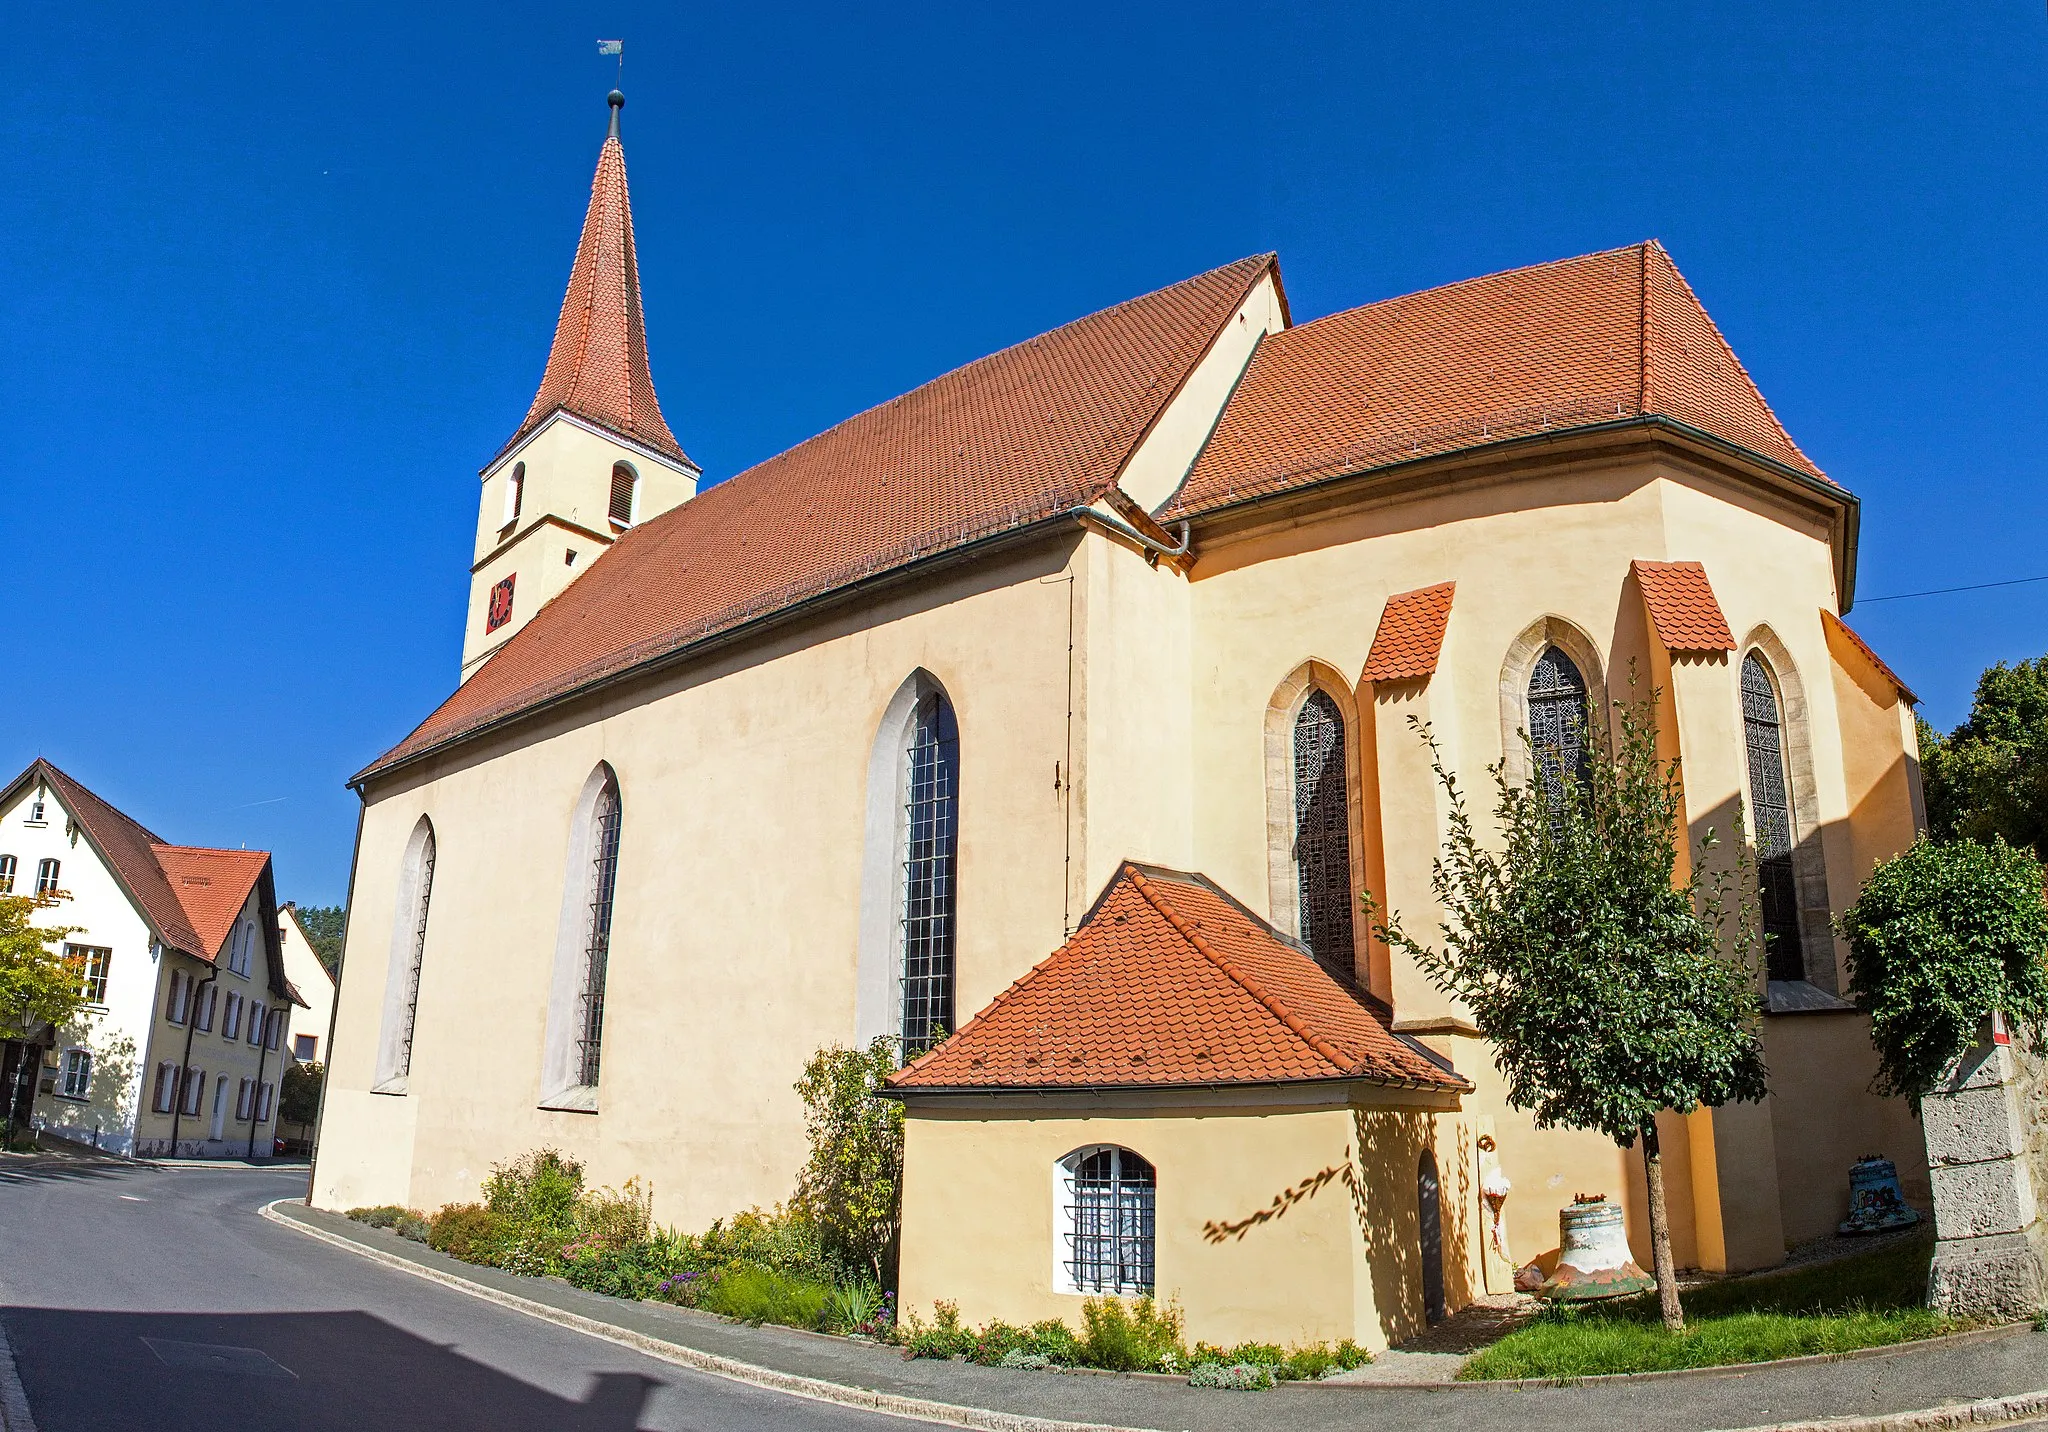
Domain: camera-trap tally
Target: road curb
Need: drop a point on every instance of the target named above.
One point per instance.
(817, 1389)
(1991, 1412)
(14, 1414)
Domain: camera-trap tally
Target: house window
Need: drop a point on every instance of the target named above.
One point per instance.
(1557, 722)
(255, 1022)
(203, 1020)
(273, 1032)
(242, 948)
(625, 485)
(242, 1099)
(1771, 803)
(931, 851)
(1107, 1201)
(604, 877)
(35, 811)
(305, 1047)
(231, 1019)
(8, 865)
(178, 997)
(92, 971)
(193, 1087)
(263, 1096)
(46, 877)
(77, 1073)
(165, 1094)
(1322, 832)
(515, 494)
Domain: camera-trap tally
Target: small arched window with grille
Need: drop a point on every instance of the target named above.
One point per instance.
(931, 860)
(1322, 832)
(1108, 1203)
(1557, 722)
(625, 482)
(604, 878)
(1770, 803)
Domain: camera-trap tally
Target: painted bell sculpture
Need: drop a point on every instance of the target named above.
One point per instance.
(1592, 1258)
(1876, 1204)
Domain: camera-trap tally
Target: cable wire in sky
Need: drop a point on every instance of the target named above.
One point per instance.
(1944, 591)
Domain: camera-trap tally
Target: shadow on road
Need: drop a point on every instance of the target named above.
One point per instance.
(208, 1372)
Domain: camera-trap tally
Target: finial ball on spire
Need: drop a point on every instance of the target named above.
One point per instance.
(616, 99)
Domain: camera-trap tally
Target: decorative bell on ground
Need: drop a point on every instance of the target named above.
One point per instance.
(1592, 1256)
(1494, 1189)
(1875, 1203)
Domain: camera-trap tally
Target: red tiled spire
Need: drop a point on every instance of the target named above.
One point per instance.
(597, 368)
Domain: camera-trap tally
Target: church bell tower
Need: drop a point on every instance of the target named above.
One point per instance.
(593, 457)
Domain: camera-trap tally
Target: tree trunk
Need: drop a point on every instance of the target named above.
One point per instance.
(1660, 1232)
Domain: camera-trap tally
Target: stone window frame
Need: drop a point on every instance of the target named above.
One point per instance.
(1283, 883)
(1809, 859)
(1520, 663)
(561, 1074)
(408, 950)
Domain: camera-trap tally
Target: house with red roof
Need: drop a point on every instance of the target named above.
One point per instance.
(184, 1032)
(1054, 721)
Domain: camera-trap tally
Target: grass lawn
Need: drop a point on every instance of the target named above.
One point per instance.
(1871, 1300)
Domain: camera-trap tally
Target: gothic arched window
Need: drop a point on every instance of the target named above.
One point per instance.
(625, 481)
(1107, 1217)
(604, 877)
(931, 851)
(1557, 722)
(1771, 812)
(1322, 832)
(515, 493)
(408, 954)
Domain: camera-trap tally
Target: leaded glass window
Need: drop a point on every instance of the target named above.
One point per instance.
(1557, 722)
(1771, 812)
(1110, 1207)
(424, 888)
(604, 875)
(1322, 832)
(931, 858)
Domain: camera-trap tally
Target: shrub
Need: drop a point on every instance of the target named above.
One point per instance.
(853, 1307)
(944, 1338)
(540, 1189)
(1129, 1337)
(405, 1222)
(1035, 1361)
(1232, 1377)
(781, 1239)
(616, 1219)
(468, 1231)
(851, 1189)
(762, 1295)
(1941, 936)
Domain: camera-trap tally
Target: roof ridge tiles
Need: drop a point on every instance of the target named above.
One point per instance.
(1344, 1063)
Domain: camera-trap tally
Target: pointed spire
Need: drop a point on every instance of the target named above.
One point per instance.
(597, 368)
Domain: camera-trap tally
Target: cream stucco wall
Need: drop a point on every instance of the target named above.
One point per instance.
(303, 968)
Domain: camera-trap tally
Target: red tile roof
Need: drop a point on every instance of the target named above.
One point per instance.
(1835, 623)
(1683, 607)
(1006, 441)
(1167, 982)
(1411, 634)
(1561, 345)
(597, 368)
(190, 894)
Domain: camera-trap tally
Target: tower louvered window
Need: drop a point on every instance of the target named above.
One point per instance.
(424, 876)
(1771, 811)
(931, 848)
(624, 480)
(1557, 722)
(604, 880)
(1322, 832)
(1111, 1214)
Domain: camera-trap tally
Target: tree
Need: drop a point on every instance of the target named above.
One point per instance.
(298, 1094)
(1989, 777)
(323, 925)
(1610, 989)
(38, 985)
(851, 1188)
(1942, 935)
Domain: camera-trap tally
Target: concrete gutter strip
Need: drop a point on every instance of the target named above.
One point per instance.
(14, 1415)
(894, 1404)
(1991, 1412)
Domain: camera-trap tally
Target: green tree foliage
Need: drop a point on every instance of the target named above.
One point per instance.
(851, 1188)
(1610, 989)
(1941, 936)
(298, 1099)
(1989, 776)
(323, 926)
(38, 986)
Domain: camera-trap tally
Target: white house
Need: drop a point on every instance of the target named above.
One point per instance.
(311, 981)
(188, 1015)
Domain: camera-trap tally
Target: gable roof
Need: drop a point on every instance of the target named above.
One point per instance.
(1683, 606)
(1009, 440)
(597, 365)
(1169, 981)
(1410, 636)
(189, 894)
(1574, 343)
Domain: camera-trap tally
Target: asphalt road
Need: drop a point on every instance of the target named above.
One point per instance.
(157, 1298)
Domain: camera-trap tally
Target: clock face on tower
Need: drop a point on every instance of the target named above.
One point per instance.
(501, 604)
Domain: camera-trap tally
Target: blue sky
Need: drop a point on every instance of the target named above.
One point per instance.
(275, 281)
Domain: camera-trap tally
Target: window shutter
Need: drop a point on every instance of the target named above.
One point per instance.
(623, 480)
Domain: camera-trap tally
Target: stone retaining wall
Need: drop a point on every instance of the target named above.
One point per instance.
(1987, 1156)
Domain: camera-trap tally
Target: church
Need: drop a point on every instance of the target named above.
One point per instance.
(1059, 711)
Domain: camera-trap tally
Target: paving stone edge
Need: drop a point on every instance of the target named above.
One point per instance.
(1991, 1412)
(923, 1409)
